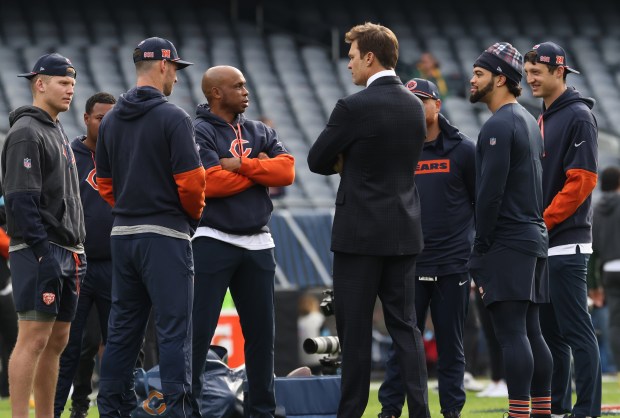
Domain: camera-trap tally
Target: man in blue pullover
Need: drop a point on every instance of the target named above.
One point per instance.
(445, 179)
(570, 131)
(46, 225)
(97, 283)
(149, 171)
(232, 246)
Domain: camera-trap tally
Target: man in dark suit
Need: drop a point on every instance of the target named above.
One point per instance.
(373, 140)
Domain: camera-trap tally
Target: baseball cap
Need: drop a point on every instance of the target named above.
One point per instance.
(424, 89)
(159, 49)
(502, 58)
(51, 64)
(552, 54)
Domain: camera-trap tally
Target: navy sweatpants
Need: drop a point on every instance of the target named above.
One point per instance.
(250, 276)
(567, 328)
(149, 270)
(95, 290)
(448, 299)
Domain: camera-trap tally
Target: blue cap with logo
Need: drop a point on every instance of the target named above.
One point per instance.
(51, 64)
(424, 89)
(552, 54)
(159, 49)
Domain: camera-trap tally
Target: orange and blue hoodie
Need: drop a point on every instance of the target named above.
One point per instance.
(238, 202)
(148, 167)
(570, 162)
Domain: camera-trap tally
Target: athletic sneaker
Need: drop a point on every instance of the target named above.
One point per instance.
(494, 390)
(78, 413)
(471, 384)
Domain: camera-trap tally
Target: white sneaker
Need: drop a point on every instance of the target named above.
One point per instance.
(495, 390)
(483, 393)
(471, 384)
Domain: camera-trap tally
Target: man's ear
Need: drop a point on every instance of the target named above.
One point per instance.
(369, 58)
(216, 93)
(39, 85)
(501, 80)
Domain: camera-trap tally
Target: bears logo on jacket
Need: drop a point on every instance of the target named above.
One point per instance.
(237, 150)
(91, 179)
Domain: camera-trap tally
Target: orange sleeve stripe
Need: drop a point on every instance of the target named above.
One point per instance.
(105, 189)
(223, 183)
(191, 188)
(4, 244)
(578, 186)
(270, 172)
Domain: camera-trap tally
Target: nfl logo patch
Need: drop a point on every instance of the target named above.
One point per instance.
(492, 141)
(27, 162)
(49, 298)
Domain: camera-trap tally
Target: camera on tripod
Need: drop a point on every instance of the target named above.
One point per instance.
(327, 304)
(330, 364)
(322, 345)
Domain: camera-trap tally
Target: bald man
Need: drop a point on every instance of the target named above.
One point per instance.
(232, 245)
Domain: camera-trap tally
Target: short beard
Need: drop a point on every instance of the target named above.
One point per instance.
(476, 97)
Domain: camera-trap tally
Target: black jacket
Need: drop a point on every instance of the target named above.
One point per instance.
(380, 132)
(606, 227)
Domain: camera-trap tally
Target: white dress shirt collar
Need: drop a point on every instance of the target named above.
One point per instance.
(383, 73)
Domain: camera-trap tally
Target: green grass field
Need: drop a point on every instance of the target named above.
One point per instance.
(474, 407)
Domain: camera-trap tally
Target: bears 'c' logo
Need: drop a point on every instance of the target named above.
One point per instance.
(237, 150)
(154, 404)
(92, 179)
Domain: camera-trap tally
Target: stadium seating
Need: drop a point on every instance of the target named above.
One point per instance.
(296, 71)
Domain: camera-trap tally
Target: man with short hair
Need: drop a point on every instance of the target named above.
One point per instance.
(509, 257)
(232, 246)
(96, 286)
(570, 168)
(46, 225)
(149, 171)
(445, 179)
(374, 139)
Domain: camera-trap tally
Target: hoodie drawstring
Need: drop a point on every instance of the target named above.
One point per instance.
(541, 125)
(238, 139)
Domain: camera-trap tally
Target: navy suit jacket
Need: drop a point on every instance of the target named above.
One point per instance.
(380, 132)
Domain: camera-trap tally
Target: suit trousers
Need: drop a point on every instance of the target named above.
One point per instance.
(567, 328)
(358, 281)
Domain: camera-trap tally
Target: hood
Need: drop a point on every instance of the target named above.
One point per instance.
(449, 136)
(138, 101)
(568, 97)
(608, 204)
(78, 146)
(203, 111)
(32, 111)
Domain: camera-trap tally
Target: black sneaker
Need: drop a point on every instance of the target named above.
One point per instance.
(385, 415)
(452, 414)
(78, 413)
